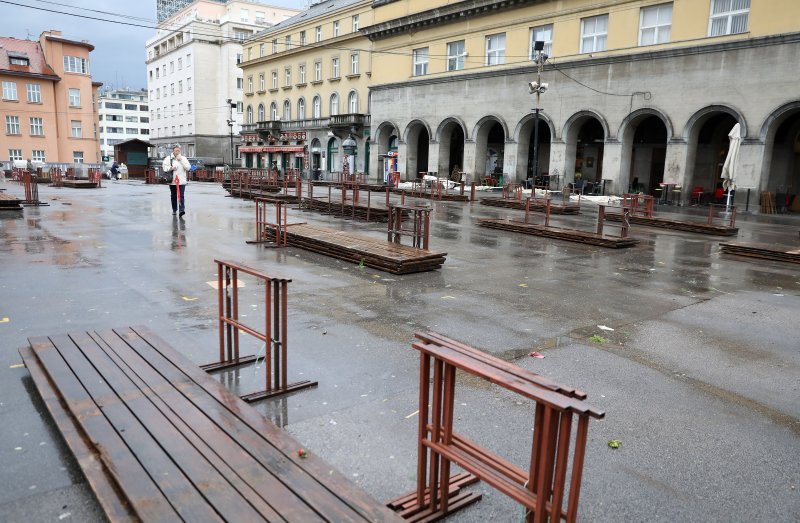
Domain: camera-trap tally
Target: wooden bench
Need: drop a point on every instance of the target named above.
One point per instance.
(561, 417)
(160, 440)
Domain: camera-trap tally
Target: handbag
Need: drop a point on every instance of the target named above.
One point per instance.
(166, 177)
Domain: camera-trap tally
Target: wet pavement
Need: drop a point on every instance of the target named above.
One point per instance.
(699, 378)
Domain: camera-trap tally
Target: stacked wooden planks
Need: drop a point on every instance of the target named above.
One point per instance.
(428, 195)
(536, 205)
(79, 184)
(762, 251)
(9, 203)
(378, 254)
(767, 203)
(335, 207)
(677, 225)
(160, 440)
(572, 235)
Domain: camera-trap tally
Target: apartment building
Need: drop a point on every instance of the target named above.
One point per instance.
(306, 90)
(194, 84)
(48, 100)
(640, 93)
(124, 114)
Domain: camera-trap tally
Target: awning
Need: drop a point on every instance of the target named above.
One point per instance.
(273, 149)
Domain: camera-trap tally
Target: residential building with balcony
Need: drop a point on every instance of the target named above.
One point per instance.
(642, 94)
(124, 114)
(306, 90)
(193, 76)
(48, 98)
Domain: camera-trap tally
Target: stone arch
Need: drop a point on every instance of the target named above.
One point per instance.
(705, 145)
(643, 160)
(576, 153)
(417, 137)
(490, 135)
(527, 153)
(700, 117)
(451, 134)
(780, 169)
(480, 123)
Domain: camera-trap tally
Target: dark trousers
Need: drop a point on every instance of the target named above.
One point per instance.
(173, 195)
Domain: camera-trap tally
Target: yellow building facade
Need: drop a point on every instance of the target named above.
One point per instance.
(641, 94)
(306, 83)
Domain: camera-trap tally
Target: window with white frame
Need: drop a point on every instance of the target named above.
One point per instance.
(316, 107)
(75, 64)
(542, 33)
(261, 50)
(12, 125)
(274, 80)
(335, 68)
(728, 17)
(9, 90)
(262, 84)
(301, 74)
(171, 67)
(288, 76)
(37, 126)
(240, 83)
(335, 28)
(249, 114)
(180, 64)
(273, 111)
(250, 84)
(318, 33)
(180, 109)
(301, 109)
(302, 38)
(180, 86)
(158, 73)
(74, 97)
(77, 156)
(354, 63)
(496, 49)
(15, 154)
(455, 55)
(76, 129)
(244, 15)
(189, 84)
(274, 45)
(38, 155)
(317, 71)
(172, 89)
(188, 60)
(287, 110)
(420, 61)
(260, 18)
(288, 42)
(262, 114)
(355, 23)
(352, 103)
(334, 104)
(594, 33)
(189, 107)
(239, 107)
(655, 24)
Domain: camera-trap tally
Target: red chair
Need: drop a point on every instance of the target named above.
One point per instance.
(697, 195)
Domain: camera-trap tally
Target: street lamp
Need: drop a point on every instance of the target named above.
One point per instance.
(537, 88)
(349, 148)
(231, 106)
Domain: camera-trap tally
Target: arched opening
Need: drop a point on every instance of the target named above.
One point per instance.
(451, 147)
(530, 165)
(287, 110)
(301, 109)
(261, 113)
(589, 152)
(417, 144)
(273, 111)
(316, 158)
(249, 114)
(644, 152)
(317, 107)
(352, 102)
(386, 143)
(490, 141)
(708, 147)
(782, 152)
(334, 104)
(333, 155)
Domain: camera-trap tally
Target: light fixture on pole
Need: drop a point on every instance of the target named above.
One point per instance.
(231, 106)
(349, 148)
(538, 88)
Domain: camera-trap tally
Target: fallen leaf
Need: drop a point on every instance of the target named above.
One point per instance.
(614, 443)
(184, 298)
(523, 285)
(536, 355)
(604, 328)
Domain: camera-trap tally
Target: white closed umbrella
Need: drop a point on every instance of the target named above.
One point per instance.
(730, 169)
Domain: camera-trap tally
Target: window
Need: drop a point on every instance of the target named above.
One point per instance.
(316, 107)
(318, 33)
(262, 115)
(655, 24)
(260, 20)
(250, 84)
(241, 35)
(239, 107)
(287, 110)
(12, 125)
(249, 114)
(420, 59)
(317, 71)
(74, 64)
(288, 74)
(288, 42)
(9, 90)
(189, 84)
(189, 129)
(335, 68)
(131, 118)
(158, 114)
(16, 60)
(131, 107)
(496, 49)
(77, 130)
(172, 89)
(301, 74)
(355, 23)
(274, 45)
(77, 156)
(158, 93)
(455, 56)
(302, 38)
(240, 83)
(244, 15)
(180, 64)
(335, 28)
(144, 119)
(188, 60)
(334, 104)
(273, 111)
(728, 17)
(131, 130)
(15, 154)
(189, 107)
(354, 63)
(594, 32)
(147, 131)
(172, 67)
(37, 126)
(301, 109)
(158, 72)
(180, 109)
(352, 103)
(543, 33)
(75, 98)
(274, 79)
(262, 84)
(38, 156)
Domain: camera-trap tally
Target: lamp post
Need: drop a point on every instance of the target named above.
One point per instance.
(349, 147)
(538, 88)
(231, 106)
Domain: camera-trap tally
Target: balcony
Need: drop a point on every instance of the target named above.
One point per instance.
(349, 122)
(269, 127)
(308, 123)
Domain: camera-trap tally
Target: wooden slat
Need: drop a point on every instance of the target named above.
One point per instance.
(763, 251)
(571, 235)
(536, 205)
(678, 225)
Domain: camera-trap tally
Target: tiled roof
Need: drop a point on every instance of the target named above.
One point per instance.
(30, 49)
